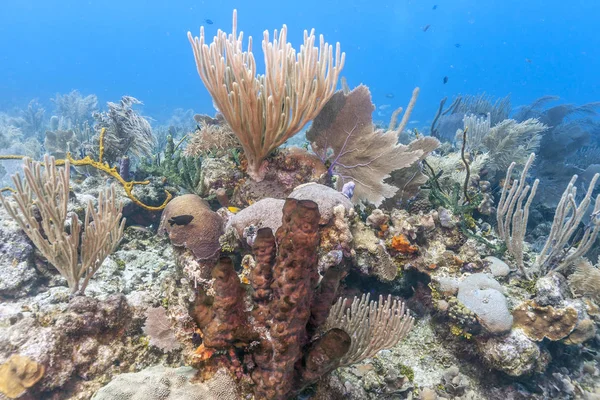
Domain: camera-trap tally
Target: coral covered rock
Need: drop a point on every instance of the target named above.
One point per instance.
(18, 275)
(160, 383)
(514, 354)
(325, 197)
(265, 213)
(498, 267)
(539, 322)
(371, 254)
(551, 290)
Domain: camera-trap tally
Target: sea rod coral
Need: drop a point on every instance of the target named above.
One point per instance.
(265, 110)
(76, 255)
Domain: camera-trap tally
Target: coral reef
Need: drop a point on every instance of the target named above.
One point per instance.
(358, 260)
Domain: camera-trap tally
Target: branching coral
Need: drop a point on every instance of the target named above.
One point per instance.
(266, 110)
(512, 214)
(76, 255)
(568, 215)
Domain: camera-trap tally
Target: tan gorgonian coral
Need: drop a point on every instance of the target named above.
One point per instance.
(266, 110)
(41, 211)
(211, 139)
(512, 141)
(372, 325)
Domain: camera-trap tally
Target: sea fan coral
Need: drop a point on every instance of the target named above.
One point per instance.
(344, 136)
(127, 132)
(158, 328)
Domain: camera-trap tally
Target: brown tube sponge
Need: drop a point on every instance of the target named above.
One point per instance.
(324, 355)
(261, 276)
(295, 277)
(230, 323)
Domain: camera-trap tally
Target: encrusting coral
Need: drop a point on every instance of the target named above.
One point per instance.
(544, 322)
(18, 374)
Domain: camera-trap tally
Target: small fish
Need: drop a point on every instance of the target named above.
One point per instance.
(196, 339)
(389, 95)
(140, 228)
(457, 45)
(208, 21)
(180, 220)
(445, 80)
(528, 60)
(234, 210)
(434, 7)
(426, 27)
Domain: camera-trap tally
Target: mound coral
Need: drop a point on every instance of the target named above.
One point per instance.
(201, 234)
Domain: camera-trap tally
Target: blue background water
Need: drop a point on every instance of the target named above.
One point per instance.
(139, 48)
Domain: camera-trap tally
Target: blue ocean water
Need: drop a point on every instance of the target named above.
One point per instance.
(132, 47)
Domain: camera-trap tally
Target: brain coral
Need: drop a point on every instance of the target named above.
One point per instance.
(201, 234)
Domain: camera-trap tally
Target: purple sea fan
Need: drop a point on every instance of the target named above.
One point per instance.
(158, 328)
